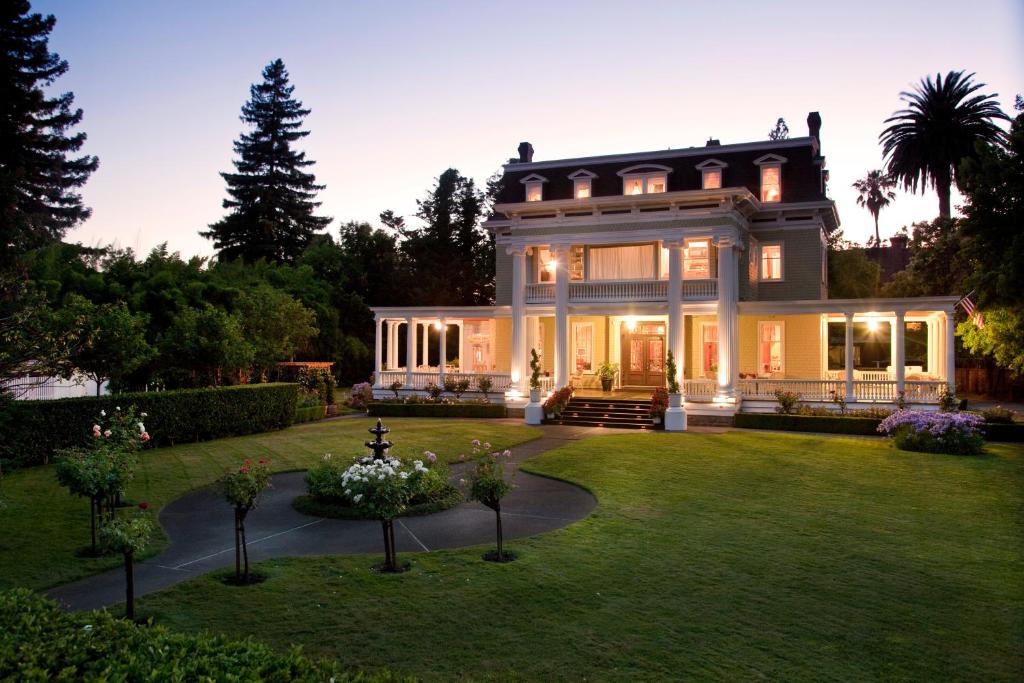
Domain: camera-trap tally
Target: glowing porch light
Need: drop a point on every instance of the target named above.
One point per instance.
(515, 377)
(438, 326)
(631, 323)
(551, 265)
(872, 325)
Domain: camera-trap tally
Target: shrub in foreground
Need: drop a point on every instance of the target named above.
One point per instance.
(34, 430)
(954, 433)
(40, 642)
(831, 424)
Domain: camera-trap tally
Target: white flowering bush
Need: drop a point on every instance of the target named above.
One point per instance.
(955, 433)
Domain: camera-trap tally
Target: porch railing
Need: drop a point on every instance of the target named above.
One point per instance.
(699, 389)
(822, 390)
(621, 291)
(500, 381)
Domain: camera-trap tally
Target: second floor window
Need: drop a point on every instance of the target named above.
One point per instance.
(771, 261)
(697, 260)
(534, 192)
(581, 188)
(646, 183)
(771, 183)
(711, 179)
(547, 266)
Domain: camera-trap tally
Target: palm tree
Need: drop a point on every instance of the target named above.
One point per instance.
(941, 125)
(875, 193)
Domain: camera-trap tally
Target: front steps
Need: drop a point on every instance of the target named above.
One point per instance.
(619, 413)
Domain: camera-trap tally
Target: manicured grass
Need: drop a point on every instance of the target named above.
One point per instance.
(43, 525)
(736, 556)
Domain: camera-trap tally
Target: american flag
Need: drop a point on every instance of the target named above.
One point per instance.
(972, 311)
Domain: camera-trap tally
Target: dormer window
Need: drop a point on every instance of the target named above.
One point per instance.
(645, 179)
(582, 184)
(771, 177)
(534, 187)
(711, 174)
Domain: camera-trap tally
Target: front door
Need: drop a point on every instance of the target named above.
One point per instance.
(643, 355)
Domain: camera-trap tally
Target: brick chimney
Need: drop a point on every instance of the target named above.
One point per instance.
(525, 152)
(712, 142)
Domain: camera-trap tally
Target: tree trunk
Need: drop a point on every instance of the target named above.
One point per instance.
(394, 555)
(245, 551)
(129, 575)
(878, 238)
(942, 188)
(238, 547)
(497, 516)
(384, 525)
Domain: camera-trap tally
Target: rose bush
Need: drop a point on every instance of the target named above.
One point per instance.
(242, 488)
(955, 433)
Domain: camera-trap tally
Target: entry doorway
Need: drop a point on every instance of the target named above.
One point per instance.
(643, 354)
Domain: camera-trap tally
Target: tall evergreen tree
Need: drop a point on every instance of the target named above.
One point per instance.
(271, 198)
(38, 201)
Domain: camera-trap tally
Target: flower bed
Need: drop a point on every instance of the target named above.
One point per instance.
(404, 409)
(955, 433)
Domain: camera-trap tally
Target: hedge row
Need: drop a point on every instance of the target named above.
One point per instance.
(309, 413)
(41, 642)
(809, 423)
(30, 431)
(1004, 432)
(385, 409)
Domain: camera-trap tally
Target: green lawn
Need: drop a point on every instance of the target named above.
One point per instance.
(43, 525)
(736, 556)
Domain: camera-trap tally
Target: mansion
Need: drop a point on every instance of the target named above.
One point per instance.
(716, 253)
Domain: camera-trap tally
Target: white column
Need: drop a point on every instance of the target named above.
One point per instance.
(848, 357)
(460, 327)
(425, 351)
(442, 354)
(377, 343)
(950, 351)
(561, 255)
(676, 321)
(726, 319)
(900, 360)
(393, 344)
(517, 366)
(410, 350)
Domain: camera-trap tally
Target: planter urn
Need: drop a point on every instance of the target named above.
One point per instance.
(675, 416)
(534, 412)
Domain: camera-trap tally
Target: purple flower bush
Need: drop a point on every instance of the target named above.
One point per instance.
(955, 433)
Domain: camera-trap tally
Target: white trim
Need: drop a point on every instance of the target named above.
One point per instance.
(581, 173)
(782, 345)
(533, 178)
(643, 169)
(661, 154)
(711, 163)
(770, 160)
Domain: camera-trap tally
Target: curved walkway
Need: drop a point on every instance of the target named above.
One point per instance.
(200, 528)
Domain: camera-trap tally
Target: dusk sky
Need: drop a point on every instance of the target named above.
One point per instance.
(401, 91)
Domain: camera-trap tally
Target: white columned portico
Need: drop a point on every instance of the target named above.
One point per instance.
(517, 367)
(410, 350)
(377, 352)
(425, 352)
(950, 348)
(676, 321)
(726, 311)
(900, 351)
(560, 252)
(442, 352)
(848, 357)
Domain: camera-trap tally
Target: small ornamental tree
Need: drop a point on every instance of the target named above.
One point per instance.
(395, 387)
(128, 536)
(242, 489)
(101, 470)
(488, 485)
(534, 369)
(484, 383)
(383, 488)
(670, 374)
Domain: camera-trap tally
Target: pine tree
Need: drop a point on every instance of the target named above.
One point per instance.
(271, 198)
(38, 201)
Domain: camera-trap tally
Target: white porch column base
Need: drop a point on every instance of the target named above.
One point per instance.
(675, 415)
(534, 413)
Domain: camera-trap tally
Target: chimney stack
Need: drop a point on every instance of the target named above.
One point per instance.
(814, 124)
(712, 142)
(525, 152)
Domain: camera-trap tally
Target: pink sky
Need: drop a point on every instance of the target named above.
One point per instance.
(401, 91)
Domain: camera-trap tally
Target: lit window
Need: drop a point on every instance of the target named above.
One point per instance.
(697, 260)
(771, 261)
(712, 179)
(771, 183)
(583, 343)
(581, 188)
(649, 183)
(547, 264)
(709, 348)
(534, 192)
(770, 358)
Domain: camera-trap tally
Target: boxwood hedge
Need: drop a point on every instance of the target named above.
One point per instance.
(387, 409)
(30, 431)
(809, 423)
(41, 642)
(1004, 432)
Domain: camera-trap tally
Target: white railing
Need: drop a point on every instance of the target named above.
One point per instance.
(875, 390)
(547, 383)
(699, 389)
(862, 375)
(600, 291)
(922, 392)
(700, 289)
(809, 389)
(500, 381)
(540, 292)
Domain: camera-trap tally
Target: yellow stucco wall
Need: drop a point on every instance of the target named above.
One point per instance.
(502, 344)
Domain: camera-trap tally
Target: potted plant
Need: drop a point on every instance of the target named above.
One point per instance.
(557, 401)
(534, 376)
(607, 371)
